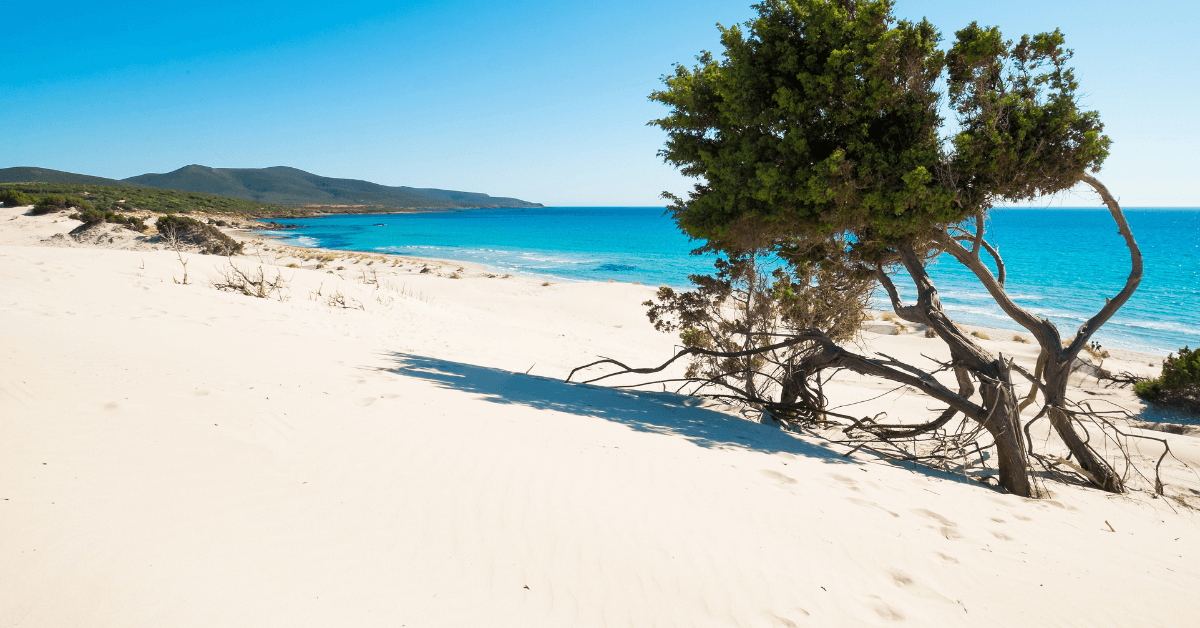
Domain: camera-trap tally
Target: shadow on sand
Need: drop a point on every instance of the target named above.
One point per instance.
(659, 413)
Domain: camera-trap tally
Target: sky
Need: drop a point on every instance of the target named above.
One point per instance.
(543, 101)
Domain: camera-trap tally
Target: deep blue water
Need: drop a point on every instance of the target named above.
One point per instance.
(1061, 263)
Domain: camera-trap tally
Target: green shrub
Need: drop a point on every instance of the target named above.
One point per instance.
(15, 198)
(1179, 384)
(89, 216)
(95, 216)
(175, 230)
(55, 202)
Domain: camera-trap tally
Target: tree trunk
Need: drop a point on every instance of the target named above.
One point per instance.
(1003, 422)
(1098, 471)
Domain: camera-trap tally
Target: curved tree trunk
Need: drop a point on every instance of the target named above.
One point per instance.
(1057, 366)
(1000, 414)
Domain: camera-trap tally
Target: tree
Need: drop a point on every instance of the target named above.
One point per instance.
(818, 138)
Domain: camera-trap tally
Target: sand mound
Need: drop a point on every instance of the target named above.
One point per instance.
(102, 235)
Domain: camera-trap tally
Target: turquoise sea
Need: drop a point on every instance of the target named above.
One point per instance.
(1061, 263)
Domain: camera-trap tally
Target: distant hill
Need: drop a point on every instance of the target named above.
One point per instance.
(26, 174)
(281, 185)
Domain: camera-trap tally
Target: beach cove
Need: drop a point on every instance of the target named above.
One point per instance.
(410, 455)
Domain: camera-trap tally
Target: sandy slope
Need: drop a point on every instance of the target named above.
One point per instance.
(173, 455)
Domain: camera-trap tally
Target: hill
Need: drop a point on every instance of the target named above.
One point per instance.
(281, 185)
(26, 174)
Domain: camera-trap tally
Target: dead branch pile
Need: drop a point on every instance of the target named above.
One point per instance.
(252, 283)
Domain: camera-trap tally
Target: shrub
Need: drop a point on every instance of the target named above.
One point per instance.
(176, 230)
(55, 202)
(1020, 338)
(89, 216)
(980, 335)
(15, 198)
(95, 216)
(1179, 384)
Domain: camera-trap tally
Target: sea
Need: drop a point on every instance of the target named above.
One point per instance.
(1061, 263)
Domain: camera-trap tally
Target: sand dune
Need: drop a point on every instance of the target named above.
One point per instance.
(175, 455)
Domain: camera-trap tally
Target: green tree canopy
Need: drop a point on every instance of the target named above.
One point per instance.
(824, 117)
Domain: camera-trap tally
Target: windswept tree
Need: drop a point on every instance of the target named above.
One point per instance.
(819, 140)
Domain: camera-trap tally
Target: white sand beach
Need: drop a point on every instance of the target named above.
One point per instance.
(173, 455)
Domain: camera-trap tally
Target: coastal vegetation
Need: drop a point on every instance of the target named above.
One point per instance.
(95, 216)
(113, 198)
(15, 198)
(57, 202)
(820, 149)
(1179, 385)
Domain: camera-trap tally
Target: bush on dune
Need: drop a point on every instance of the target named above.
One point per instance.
(55, 202)
(15, 198)
(1178, 386)
(95, 216)
(178, 230)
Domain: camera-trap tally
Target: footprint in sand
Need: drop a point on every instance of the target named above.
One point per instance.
(887, 612)
(933, 515)
(870, 504)
(946, 558)
(775, 475)
(948, 527)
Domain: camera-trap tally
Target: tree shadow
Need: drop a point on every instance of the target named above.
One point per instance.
(654, 412)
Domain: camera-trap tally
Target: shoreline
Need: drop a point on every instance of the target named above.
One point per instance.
(876, 312)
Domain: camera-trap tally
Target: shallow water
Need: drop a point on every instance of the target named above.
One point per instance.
(1061, 263)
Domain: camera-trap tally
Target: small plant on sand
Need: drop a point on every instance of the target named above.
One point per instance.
(929, 333)
(185, 273)
(545, 283)
(1021, 339)
(293, 265)
(252, 283)
(980, 335)
(337, 299)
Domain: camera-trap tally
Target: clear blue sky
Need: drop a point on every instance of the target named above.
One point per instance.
(544, 101)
